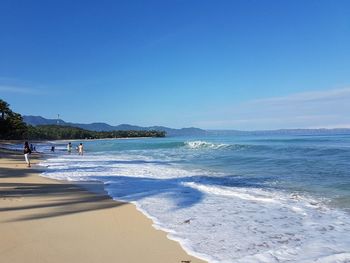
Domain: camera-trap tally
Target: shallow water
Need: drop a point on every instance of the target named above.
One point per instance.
(229, 199)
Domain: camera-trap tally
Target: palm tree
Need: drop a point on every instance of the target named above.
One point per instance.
(4, 109)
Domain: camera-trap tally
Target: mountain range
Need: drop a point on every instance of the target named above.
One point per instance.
(100, 126)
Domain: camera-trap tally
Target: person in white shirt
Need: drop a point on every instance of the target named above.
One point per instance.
(81, 149)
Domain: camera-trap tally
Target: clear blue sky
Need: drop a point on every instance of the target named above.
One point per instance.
(211, 64)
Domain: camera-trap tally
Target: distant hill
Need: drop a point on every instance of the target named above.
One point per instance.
(98, 126)
(38, 120)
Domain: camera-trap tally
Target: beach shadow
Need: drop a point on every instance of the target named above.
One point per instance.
(16, 172)
(59, 200)
(30, 201)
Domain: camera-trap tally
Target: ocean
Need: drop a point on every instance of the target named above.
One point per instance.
(228, 198)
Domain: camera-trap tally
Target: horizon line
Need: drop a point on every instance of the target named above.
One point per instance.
(204, 129)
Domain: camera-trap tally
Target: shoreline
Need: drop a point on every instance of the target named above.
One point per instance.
(50, 220)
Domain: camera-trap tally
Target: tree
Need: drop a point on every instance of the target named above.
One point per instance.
(11, 123)
(4, 109)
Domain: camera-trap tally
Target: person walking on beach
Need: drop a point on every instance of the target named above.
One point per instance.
(81, 149)
(26, 152)
(69, 148)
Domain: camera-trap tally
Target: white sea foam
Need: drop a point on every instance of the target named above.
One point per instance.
(213, 221)
(73, 167)
(204, 144)
(238, 193)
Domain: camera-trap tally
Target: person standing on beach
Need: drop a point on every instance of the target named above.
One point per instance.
(69, 148)
(81, 149)
(26, 152)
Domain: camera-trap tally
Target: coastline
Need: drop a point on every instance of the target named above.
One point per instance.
(44, 220)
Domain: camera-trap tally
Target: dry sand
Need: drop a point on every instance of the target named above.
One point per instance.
(43, 220)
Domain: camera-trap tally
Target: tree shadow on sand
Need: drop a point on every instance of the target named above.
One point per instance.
(56, 198)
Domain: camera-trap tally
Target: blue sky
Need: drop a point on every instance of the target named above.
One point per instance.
(210, 64)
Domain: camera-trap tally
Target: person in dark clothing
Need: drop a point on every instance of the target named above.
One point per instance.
(26, 152)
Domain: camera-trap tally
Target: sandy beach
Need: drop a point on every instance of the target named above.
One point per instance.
(43, 220)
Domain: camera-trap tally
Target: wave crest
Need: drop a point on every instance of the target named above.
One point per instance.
(204, 145)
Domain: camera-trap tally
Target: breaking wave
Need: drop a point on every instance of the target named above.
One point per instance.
(205, 145)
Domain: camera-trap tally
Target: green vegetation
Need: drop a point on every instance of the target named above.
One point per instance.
(13, 127)
(11, 123)
(56, 132)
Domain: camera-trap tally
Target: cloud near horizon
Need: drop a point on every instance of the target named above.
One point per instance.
(18, 89)
(319, 109)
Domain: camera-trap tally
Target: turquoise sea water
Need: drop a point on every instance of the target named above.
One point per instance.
(229, 198)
